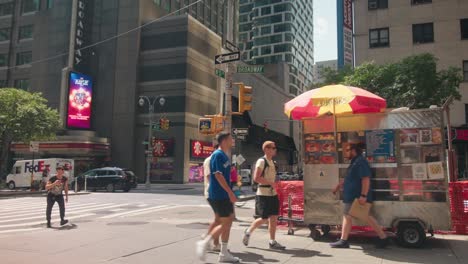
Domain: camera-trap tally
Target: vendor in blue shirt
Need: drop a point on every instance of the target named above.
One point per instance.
(357, 185)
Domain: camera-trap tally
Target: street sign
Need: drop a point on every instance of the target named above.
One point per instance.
(240, 159)
(227, 57)
(231, 46)
(155, 127)
(220, 73)
(241, 137)
(145, 143)
(240, 131)
(251, 69)
(34, 146)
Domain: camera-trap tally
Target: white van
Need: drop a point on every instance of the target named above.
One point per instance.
(20, 176)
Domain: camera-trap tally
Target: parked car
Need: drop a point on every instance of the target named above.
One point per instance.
(246, 176)
(109, 179)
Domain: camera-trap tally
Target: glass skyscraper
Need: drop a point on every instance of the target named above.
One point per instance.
(275, 31)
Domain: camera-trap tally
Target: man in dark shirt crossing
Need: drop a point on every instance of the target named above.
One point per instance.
(357, 186)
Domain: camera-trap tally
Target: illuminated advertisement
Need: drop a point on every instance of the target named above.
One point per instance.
(80, 94)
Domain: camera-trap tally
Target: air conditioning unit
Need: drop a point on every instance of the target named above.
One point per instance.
(372, 4)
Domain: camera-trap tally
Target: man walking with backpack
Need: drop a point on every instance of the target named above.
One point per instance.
(266, 201)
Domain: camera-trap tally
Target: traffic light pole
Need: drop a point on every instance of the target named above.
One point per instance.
(228, 97)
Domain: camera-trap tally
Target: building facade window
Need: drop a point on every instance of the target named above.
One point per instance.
(28, 6)
(266, 10)
(26, 32)
(418, 2)
(464, 28)
(465, 70)
(3, 60)
(50, 4)
(379, 37)
(23, 58)
(5, 34)
(6, 9)
(466, 113)
(266, 30)
(377, 4)
(3, 83)
(23, 84)
(423, 33)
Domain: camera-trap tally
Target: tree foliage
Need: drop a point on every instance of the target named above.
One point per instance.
(24, 117)
(413, 82)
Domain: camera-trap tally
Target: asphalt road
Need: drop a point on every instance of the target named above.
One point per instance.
(163, 225)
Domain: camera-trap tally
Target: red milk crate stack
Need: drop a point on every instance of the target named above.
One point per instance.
(295, 190)
(459, 206)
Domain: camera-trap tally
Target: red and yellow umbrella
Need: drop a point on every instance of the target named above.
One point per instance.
(334, 99)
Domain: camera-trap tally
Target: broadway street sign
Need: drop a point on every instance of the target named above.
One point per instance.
(227, 57)
(251, 69)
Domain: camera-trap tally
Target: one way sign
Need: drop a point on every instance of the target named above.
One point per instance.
(228, 57)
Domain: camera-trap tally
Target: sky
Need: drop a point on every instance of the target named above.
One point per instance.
(325, 30)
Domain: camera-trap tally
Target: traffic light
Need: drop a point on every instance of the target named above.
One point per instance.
(211, 124)
(245, 98)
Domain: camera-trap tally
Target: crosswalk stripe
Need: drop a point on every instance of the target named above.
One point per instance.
(68, 212)
(155, 210)
(43, 208)
(19, 230)
(131, 212)
(29, 207)
(43, 222)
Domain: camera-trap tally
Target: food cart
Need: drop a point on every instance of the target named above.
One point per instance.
(407, 153)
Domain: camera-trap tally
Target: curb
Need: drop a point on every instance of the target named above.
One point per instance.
(246, 198)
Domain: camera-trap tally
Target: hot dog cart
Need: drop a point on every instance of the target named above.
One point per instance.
(407, 153)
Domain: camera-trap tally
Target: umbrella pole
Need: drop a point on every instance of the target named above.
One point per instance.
(334, 121)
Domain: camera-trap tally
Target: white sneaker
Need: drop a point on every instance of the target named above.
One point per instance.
(246, 238)
(228, 258)
(201, 250)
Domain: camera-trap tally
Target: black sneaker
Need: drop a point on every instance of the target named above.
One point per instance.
(63, 222)
(277, 246)
(382, 243)
(340, 244)
(49, 225)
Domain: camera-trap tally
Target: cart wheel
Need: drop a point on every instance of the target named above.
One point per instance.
(411, 235)
(291, 232)
(311, 227)
(315, 234)
(326, 230)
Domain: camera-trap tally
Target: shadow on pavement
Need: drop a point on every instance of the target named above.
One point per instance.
(296, 252)
(65, 227)
(253, 257)
(434, 250)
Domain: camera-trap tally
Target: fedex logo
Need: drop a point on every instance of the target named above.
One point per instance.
(38, 167)
(82, 82)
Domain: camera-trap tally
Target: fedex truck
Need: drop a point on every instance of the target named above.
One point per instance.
(42, 170)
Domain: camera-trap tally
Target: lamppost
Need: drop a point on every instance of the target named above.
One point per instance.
(151, 101)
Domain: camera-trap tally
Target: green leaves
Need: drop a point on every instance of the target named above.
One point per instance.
(25, 116)
(413, 82)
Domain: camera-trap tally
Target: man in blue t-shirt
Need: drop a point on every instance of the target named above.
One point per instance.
(221, 199)
(357, 186)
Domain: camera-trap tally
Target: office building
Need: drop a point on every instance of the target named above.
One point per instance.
(387, 31)
(320, 66)
(279, 32)
(170, 58)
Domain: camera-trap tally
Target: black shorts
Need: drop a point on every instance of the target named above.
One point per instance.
(223, 208)
(266, 206)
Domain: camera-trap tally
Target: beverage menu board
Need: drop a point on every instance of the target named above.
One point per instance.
(320, 148)
(380, 146)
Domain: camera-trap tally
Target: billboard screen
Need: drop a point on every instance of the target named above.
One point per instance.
(345, 33)
(80, 94)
